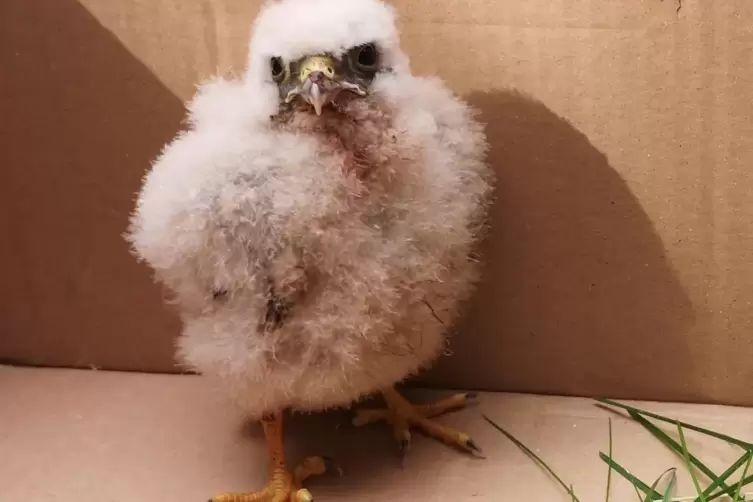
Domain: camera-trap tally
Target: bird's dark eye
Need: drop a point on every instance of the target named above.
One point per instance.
(277, 68)
(366, 57)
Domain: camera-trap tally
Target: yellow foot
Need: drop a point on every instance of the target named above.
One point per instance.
(403, 415)
(283, 486)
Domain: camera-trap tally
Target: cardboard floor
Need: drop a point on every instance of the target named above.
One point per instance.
(86, 436)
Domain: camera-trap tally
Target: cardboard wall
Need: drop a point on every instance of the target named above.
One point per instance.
(619, 260)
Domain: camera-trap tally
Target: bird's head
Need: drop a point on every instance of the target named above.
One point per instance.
(312, 51)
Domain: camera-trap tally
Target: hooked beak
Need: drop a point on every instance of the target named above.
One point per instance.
(317, 84)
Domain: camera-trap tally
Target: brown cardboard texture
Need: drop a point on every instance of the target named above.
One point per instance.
(65, 430)
(619, 258)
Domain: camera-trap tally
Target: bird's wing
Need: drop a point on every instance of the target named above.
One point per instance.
(205, 220)
(212, 215)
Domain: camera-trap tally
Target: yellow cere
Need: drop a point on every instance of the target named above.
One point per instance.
(317, 63)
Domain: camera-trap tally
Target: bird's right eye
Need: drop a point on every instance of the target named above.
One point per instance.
(277, 68)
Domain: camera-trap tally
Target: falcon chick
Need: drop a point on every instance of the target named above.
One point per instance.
(315, 225)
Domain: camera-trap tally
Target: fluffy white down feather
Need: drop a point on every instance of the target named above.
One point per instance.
(236, 202)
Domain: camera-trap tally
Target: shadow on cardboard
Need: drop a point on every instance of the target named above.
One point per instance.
(83, 119)
(578, 297)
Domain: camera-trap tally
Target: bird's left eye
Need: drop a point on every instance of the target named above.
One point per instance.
(366, 57)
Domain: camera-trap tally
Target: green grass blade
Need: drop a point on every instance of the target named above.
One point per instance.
(637, 483)
(730, 490)
(609, 471)
(677, 447)
(726, 475)
(532, 455)
(670, 487)
(656, 483)
(740, 483)
(686, 454)
(742, 444)
(640, 499)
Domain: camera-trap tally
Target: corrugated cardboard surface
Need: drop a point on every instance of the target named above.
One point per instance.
(88, 436)
(619, 261)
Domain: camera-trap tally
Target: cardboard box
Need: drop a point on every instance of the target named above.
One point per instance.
(619, 263)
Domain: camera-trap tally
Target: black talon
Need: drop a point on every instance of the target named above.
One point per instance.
(331, 465)
(404, 446)
(471, 444)
(471, 395)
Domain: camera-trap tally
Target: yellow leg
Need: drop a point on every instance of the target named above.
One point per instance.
(403, 415)
(283, 485)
